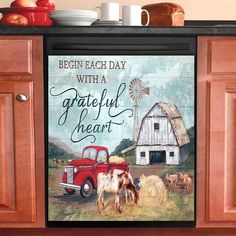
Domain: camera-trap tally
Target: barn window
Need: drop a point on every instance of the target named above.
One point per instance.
(172, 154)
(156, 126)
(142, 154)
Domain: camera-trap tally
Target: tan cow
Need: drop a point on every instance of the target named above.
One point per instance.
(182, 176)
(187, 183)
(171, 179)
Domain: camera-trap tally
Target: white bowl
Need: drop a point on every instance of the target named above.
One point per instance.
(74, 12)
(72, 20)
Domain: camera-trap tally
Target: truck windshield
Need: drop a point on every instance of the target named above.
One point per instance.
(90, 153)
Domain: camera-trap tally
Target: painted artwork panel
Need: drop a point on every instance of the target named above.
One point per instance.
(121, 140)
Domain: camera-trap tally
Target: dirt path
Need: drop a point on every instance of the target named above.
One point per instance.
(58, 195)
(56, 174)
(137, 171)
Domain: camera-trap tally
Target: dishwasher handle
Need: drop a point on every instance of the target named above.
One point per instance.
(120, 45)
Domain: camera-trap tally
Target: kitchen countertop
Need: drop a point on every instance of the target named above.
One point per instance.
(191, 28)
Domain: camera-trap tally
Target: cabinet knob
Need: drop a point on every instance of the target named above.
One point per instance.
(22, 97)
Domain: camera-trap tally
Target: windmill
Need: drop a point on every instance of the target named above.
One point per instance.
(137, 90)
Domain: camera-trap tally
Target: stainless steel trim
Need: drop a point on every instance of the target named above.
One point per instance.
(70, 175)
(72, 186)
(86, 167)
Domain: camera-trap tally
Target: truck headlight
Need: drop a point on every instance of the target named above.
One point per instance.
(75, 170)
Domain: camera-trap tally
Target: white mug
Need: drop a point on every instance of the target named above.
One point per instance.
(109, 11)
(132, 15)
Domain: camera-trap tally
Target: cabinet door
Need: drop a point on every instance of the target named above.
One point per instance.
(21, 132)
(216, 132)
(17, 164)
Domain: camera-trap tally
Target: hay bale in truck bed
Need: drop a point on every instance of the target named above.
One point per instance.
(116, 159)
(152, 191)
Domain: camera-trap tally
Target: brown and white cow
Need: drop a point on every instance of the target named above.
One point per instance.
(115, 183)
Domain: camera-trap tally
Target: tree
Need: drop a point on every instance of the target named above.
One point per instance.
(125, 143)
(191, 133)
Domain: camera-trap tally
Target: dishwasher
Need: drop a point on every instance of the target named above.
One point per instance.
(120, 122)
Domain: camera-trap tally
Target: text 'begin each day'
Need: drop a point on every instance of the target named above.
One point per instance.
(88, 65)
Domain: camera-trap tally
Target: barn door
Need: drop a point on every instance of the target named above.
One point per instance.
(157, 157)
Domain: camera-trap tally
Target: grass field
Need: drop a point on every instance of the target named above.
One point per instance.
(178, 208)
(179, 205)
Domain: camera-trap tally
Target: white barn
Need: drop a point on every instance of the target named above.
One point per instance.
(162, 137)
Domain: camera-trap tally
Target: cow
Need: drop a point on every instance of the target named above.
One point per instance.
(114, 183)
(187, 183)
(182, 176)
(129, 189)
(171, 179)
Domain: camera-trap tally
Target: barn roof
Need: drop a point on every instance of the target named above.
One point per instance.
(170, 109)
(128, 149)
(176, 121)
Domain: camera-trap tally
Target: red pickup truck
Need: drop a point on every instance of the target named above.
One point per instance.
(81, 174)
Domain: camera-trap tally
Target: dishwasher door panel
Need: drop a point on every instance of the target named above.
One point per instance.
(131, 114)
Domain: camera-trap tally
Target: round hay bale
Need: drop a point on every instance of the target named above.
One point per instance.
(152, 191)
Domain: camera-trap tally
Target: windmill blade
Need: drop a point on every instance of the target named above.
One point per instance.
(139, 96)
(136, 89)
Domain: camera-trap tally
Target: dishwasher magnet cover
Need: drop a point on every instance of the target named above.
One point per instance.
(121, 139)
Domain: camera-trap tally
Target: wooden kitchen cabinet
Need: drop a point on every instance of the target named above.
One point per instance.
(21, 132)
(216, 132)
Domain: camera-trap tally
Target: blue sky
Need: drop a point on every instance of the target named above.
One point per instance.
(169, 78)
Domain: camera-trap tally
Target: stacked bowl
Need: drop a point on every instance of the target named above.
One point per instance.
(74, 17)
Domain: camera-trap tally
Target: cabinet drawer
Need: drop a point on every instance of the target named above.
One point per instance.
(222, 56)
(16, 56)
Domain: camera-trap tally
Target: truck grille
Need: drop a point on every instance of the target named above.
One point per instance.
(70, 175)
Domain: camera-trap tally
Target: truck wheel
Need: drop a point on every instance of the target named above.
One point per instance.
(69, 191)
(87, 189)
